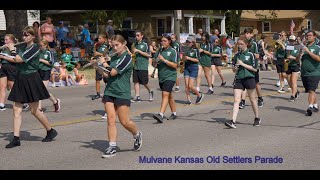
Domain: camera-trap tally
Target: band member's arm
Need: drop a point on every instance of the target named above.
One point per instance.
(314, 56)
(48, 61)
(26, 56)
(146, 54)
(119, 68)
(188, 58)
(169, 63)
(129, 52)
(249, 67)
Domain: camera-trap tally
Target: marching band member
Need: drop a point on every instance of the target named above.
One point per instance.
(176, 46)
(28, 86)
(191, 69)
(167, 74)
(205, 61)
(140, 70)
(44, 70)
(216, 63)
(8, 71)
(245, 68)
(117, 95)
(310, 71)
(293, 69)
(99, 50)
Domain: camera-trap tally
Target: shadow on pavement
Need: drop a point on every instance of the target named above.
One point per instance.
(24, 136)
(100, 145)
(290, 109)
(95, 112)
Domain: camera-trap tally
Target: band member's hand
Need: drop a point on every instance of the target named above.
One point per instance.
(239, 62)
(101, 59)
(160, 57)
(11, 46)
(201, 50)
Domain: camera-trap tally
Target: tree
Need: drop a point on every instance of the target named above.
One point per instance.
(16, 20)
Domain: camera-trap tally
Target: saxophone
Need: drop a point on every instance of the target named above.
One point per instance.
(133, 54)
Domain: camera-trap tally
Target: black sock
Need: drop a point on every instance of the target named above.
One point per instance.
(243, 100)
(260, 98)
(16, 138)
(98, 93)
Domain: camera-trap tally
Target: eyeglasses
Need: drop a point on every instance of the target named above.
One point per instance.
(25, 34)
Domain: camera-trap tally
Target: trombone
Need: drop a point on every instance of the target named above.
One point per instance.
(17, 44)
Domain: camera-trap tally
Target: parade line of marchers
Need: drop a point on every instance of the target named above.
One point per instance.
(210, 160)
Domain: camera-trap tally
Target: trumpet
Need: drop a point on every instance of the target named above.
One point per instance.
(17, 44)
(279, 44)
(133, 54)
(95, 61)
(155, 63)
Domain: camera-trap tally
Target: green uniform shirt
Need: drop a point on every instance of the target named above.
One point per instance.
(165, 72)
(103, 48)
(193, 53)
(309, 66)
(5, 51)
(30, 56)
(254, 49)
(281, 54)
(205, 59)
(248, 58)
(46, 55)
(292, 62)
(176, 46)
(142, 62)
(119, 86)
(216, 50)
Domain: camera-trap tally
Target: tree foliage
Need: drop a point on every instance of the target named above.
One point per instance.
(16, 20)
(103, 15)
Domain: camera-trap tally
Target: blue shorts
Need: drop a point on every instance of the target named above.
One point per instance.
(191, 71)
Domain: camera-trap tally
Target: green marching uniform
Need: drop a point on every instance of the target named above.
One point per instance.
(166, 73)
(44, 69)
(205, 59)
(28, 86)
(244, 78)
(102, 49)
(8, 69)
(119, 86)
(310, 69)
(216, 60)
(176, 46)
(142, 62)
(293, 65)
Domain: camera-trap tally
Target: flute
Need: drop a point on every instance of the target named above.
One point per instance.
(4, 46)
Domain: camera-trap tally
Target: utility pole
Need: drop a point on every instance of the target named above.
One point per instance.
(177, 18)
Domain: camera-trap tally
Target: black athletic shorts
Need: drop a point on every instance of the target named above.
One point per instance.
(256, 76)
(99, 77)
(292, 69)
(310, 83)
(246, 83)
(44, 75)
(140, 76)
(167, 85)
(116, 101)
(216, 61)
(9, 71)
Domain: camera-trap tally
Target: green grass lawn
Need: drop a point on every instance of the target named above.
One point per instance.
(90, 73)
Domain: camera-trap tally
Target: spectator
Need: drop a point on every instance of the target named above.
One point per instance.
(109, 29)
(36, 26)
(229, 47)
(80, 78)
(48, 32)
(61, 32)
(65, 76)
(55, 75)
(214, 36)
(199, 36)
(86, 39)
(69, 41)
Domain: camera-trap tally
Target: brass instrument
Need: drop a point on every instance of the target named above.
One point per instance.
(182, 63)
(133, 47)
(17, 44)
(278, 44)
(155, 63)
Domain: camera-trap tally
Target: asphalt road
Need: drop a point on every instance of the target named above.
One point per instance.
(198, 139)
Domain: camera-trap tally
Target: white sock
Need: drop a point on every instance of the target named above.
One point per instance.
(161, 114)
(211, 88)
(315, 105)
(198, 88)
(1, 104)
(112, 144)
(174, 113)
(310, 105)
(177, 87)
(135, 136)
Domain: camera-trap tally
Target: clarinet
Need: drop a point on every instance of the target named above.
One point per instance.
(234, 65)
(157, 62)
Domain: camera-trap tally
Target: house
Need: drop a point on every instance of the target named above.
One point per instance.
(263, 21)
(31, 19)
(152, 22)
